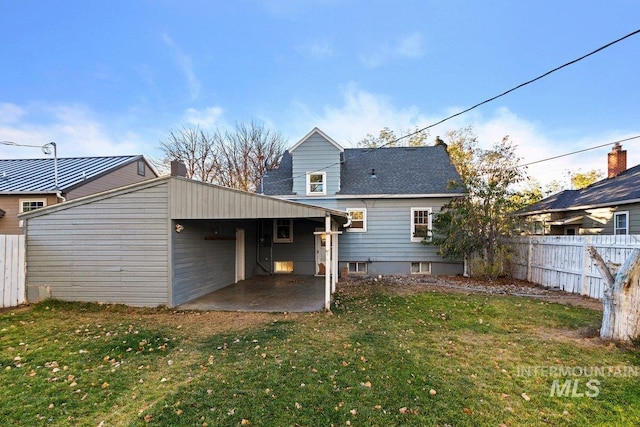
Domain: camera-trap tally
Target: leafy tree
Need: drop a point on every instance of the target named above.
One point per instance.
(471, 227)
(388, 138)
(236, 159)
(581, 180)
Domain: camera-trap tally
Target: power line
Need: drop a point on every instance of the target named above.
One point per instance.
(520, 85)
(633, 33)
(578, 151)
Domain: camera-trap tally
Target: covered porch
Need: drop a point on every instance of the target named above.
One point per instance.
(265, 293)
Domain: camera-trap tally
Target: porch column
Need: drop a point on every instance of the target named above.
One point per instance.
(334, 260)
(328, 263)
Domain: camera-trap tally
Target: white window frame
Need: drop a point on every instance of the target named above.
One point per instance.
(364, 220)
(424, 267)
(413, 224)
(277, 239)
(360, 267)
(323, 183)
(21, 207)
(615, 222)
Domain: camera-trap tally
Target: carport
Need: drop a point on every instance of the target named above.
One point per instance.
(172, 240)
(274, 293)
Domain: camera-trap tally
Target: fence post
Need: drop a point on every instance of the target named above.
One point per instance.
(586, 260)
(529, 259)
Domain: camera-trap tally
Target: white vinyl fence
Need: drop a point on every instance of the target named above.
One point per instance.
(12, 270)
(563, 262)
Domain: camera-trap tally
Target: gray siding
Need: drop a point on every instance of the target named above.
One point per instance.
(387, 244)
(196, 200)
(204, 256)
(316, 154)
(202, 266)
(302, 250)
(125, 175)
(113, 249)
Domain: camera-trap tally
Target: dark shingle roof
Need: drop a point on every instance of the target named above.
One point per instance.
(610, 191)
(398, 170)
(37, 175)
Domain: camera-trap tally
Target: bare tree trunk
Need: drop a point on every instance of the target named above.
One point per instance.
(621, 298)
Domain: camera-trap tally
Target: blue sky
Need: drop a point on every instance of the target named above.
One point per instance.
(114, 77)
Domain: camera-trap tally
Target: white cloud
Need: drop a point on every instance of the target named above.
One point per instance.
(207, 119)
(411, 46)
(360, 113)
(186, 65)
(10, 113)
(73, 128)
(319, 49)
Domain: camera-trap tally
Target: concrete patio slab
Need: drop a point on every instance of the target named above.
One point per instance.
(276, 293)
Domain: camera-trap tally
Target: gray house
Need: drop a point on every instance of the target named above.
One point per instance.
(170, 240)
(391, 195)
(609, 206)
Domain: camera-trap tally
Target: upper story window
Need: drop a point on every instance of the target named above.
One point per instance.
(283, 231)
(420, 224)
(31, 204)
(358, 220)
(621, 223)
(27, 205)
(141, 168)
(316, 183)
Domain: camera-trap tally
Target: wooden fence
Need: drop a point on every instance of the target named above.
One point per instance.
(12, 270)
(563, 262)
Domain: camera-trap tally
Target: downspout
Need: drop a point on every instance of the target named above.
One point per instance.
(55, 172)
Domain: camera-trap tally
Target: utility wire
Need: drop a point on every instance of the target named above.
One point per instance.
(485, 102)
(519, 86)
(578, 151)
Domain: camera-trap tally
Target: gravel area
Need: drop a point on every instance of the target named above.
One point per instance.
(502, 286)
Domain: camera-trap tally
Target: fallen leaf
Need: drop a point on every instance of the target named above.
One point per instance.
(354, 412)
(245, 422)
(525, 397)
(466, 411)
(432, 392)
(147, 418)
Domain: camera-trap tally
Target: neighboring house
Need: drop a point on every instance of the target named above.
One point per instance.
(391, 195)
(165, 241)
(28, 184)
(609, 206)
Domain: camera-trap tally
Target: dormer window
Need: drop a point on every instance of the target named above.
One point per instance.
(316, 183)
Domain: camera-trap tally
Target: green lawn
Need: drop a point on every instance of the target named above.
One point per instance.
(379, 359)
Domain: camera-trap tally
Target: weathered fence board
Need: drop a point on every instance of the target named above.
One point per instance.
(12, 270)
(563, 262)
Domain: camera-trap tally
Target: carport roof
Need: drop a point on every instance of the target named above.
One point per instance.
(190, 199)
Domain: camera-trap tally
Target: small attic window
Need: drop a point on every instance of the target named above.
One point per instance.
(142, 170)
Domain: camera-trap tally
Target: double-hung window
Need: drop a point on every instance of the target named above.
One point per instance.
(358, 220)
(316, 183)
(420, 224)
(621, 223)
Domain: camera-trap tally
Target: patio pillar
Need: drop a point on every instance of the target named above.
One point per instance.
(328, 262)
(334, 260)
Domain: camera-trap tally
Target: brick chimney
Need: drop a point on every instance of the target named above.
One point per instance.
(617, 161)
(179, 169)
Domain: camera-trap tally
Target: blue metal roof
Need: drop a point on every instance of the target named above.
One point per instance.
(37, 175)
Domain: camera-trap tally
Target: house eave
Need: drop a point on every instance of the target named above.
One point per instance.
(370, 196)
(581, 207)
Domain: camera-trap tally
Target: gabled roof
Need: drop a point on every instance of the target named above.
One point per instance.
(322, 134)
(622, 189)
(398, 171)
(37, 175)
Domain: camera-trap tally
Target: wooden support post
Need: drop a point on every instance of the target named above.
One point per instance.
(328, 263)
